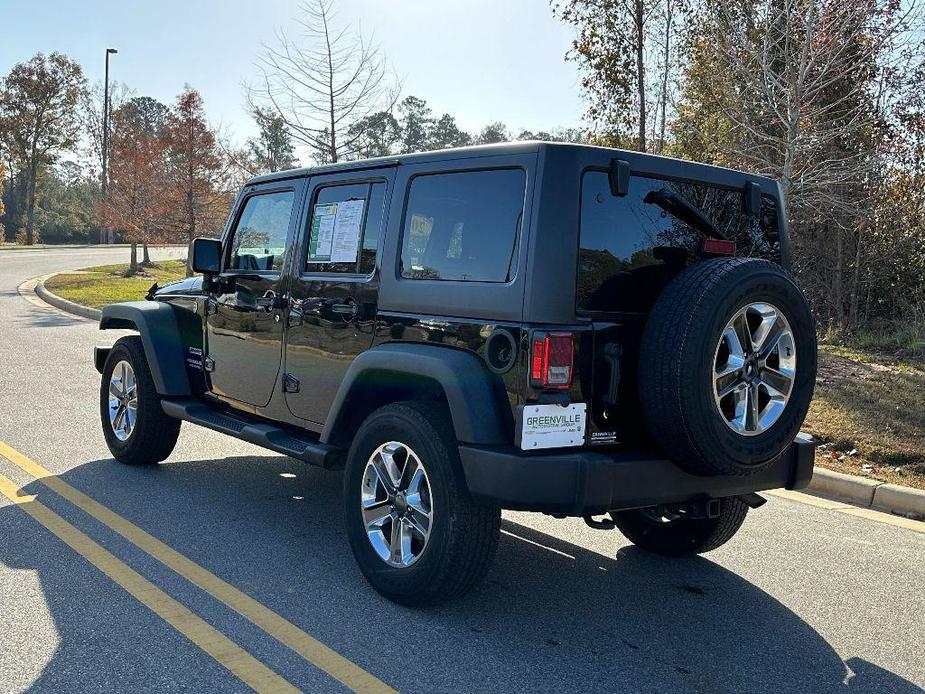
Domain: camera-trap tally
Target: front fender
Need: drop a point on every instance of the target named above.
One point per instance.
(159, 330)
(476, 397)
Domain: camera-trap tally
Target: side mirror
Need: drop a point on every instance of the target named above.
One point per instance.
(206, 256)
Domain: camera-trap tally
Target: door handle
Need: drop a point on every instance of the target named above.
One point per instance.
(311, 306)
(271, 301)
(350, 310)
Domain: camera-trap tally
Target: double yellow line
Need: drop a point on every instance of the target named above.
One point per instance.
(225, 651)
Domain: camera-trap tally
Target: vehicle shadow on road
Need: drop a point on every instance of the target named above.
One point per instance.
(552, 616)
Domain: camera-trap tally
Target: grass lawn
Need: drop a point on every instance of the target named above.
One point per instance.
(104, 284)
(872, 405)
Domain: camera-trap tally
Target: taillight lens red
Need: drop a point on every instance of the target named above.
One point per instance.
(552, 363)
(719, 247)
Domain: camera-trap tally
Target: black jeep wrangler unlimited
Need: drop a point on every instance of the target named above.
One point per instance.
(546, 327)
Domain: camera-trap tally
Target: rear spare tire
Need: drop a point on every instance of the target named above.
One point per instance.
(727, 365)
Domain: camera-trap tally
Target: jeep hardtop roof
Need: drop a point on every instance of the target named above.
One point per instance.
(640, 163)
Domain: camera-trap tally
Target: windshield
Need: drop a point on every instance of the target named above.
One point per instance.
(630, 248)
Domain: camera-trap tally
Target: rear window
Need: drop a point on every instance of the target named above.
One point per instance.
(630, 248)
(463, 226)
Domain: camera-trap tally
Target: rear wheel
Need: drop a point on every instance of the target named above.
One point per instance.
(135, 427)
(680, 536)
(416, 533)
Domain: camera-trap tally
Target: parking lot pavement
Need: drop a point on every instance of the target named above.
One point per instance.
(226, 568)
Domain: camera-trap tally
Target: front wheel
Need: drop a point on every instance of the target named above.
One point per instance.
(135, 427)
(416, 533)
(680, 537)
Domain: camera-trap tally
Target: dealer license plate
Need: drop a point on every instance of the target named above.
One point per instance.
(551, 426)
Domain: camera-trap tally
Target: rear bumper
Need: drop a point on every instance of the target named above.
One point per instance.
(583, 482)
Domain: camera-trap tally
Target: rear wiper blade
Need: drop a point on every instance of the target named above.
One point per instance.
(681, 209)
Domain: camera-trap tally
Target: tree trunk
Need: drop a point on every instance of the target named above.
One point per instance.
(145, 258)
(853, 299)
(133, 263)
(837, 297)
(30, 207)
(664, 95)
(641, 75)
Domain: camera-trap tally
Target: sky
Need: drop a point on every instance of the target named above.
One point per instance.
(479, 60)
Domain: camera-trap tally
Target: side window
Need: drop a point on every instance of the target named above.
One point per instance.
(463, 226)
(259, 239)
(344, 228)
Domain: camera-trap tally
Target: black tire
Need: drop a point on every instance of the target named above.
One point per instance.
(685, 536)
(155, 434)
(463, 534)
(676, 367)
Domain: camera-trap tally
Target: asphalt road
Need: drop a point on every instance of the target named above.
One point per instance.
(806, 598)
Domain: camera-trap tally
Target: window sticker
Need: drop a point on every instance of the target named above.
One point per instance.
(348, 222)
(335, 232)
(322, 233)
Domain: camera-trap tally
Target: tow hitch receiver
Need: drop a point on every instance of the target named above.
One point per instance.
(603, 524)
(701, 508)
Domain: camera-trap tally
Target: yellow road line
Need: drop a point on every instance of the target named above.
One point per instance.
(284, 631)
(226, 652)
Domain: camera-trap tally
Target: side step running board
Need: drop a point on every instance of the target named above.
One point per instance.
(267, 435)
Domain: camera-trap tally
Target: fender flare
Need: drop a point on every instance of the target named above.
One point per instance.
(156, 323)
(476, 398)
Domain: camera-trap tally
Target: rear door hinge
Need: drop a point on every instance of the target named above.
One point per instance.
(612, 354)
(290, 383)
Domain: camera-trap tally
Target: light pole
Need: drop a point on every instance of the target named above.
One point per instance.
(105, 173)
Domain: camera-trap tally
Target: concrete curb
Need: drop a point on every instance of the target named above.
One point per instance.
(868, 493)
(63, 304)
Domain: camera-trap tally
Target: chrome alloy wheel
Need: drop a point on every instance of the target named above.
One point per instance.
(397, 505)
(754, 368)
(123, 400)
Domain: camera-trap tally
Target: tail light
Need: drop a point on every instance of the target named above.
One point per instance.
(552, 362)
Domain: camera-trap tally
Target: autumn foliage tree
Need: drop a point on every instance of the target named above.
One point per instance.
(627, 54)
(138, 201)
(194, 169)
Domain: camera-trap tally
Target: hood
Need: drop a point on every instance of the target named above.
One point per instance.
(189, 285)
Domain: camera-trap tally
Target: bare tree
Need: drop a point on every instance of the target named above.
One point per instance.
(323, 81)
(91, 120)
(792, 89)
(669, 12)
(794, 79)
